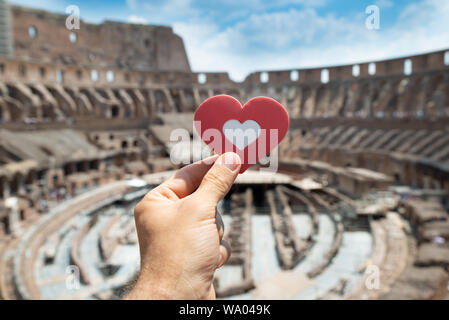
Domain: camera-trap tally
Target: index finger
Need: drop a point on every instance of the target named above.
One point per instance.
(185, 181)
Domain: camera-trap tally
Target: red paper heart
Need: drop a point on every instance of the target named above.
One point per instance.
(267, 113)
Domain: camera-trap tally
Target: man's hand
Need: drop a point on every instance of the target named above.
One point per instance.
(180, 231)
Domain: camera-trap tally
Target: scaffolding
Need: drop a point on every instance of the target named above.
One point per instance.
(6, 43)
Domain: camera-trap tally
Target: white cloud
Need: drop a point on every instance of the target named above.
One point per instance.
(132, 4)
(303, 38)
(384, 3)
(137, 20)
(51, 5)
(164, 12)
(172, 11)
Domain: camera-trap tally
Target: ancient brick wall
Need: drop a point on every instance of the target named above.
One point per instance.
(42, 36)
(6, 48)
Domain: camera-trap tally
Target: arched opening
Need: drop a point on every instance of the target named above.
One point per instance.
(30, 177)
(294, 75)
(202, 78)
(355, 70)
(124, 144)
(94, 75)
(94, 165)
(73, 37)
(114, 111)
(3, 182)
(161, 102)
(6, 226)
(372, 68)
(68, 169)
(397, 178)
(80, 167)
(408, 66)
(110, 76)
(59, 76)
(16, 183)
(32, 31)
(264, 77)
(324, 76)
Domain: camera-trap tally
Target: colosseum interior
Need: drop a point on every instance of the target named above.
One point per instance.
(85, 127)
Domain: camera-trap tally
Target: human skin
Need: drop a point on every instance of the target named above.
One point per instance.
(180, 231)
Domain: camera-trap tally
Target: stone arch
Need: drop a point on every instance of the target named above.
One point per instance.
(26, 98)
(139, 102)
(4, 112)
(176, 96)
(30, 177)
(188, 100)
(63, 99)
(99, 103)
(82, 105)
(16, 183)
(115, 111)
(125, 103)
(149, 101)
(87, 107)
(15, 110)
(4, 187)
(161, 101)
(204, 94)
(321, 102)
(48, 104)
(361, 106)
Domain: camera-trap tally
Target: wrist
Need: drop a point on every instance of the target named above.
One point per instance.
(147, 289)
(155, 287)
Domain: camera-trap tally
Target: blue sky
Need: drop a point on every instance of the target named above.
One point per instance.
(241, 36)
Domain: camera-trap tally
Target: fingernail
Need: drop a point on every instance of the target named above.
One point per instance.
(220, 260)
(210, 160)
(230, 160)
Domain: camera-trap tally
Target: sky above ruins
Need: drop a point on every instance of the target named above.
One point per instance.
(252, 35)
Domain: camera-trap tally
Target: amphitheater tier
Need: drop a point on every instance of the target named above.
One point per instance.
(362, 182)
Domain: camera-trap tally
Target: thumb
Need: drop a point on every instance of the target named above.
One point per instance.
(219, 179)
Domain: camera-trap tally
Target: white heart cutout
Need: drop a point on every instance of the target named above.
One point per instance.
(241, 134)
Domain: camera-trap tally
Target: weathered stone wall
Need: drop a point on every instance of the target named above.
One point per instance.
(369, 119)
(6, 48)
(111, 44)
(144, 94)
(419, 63)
